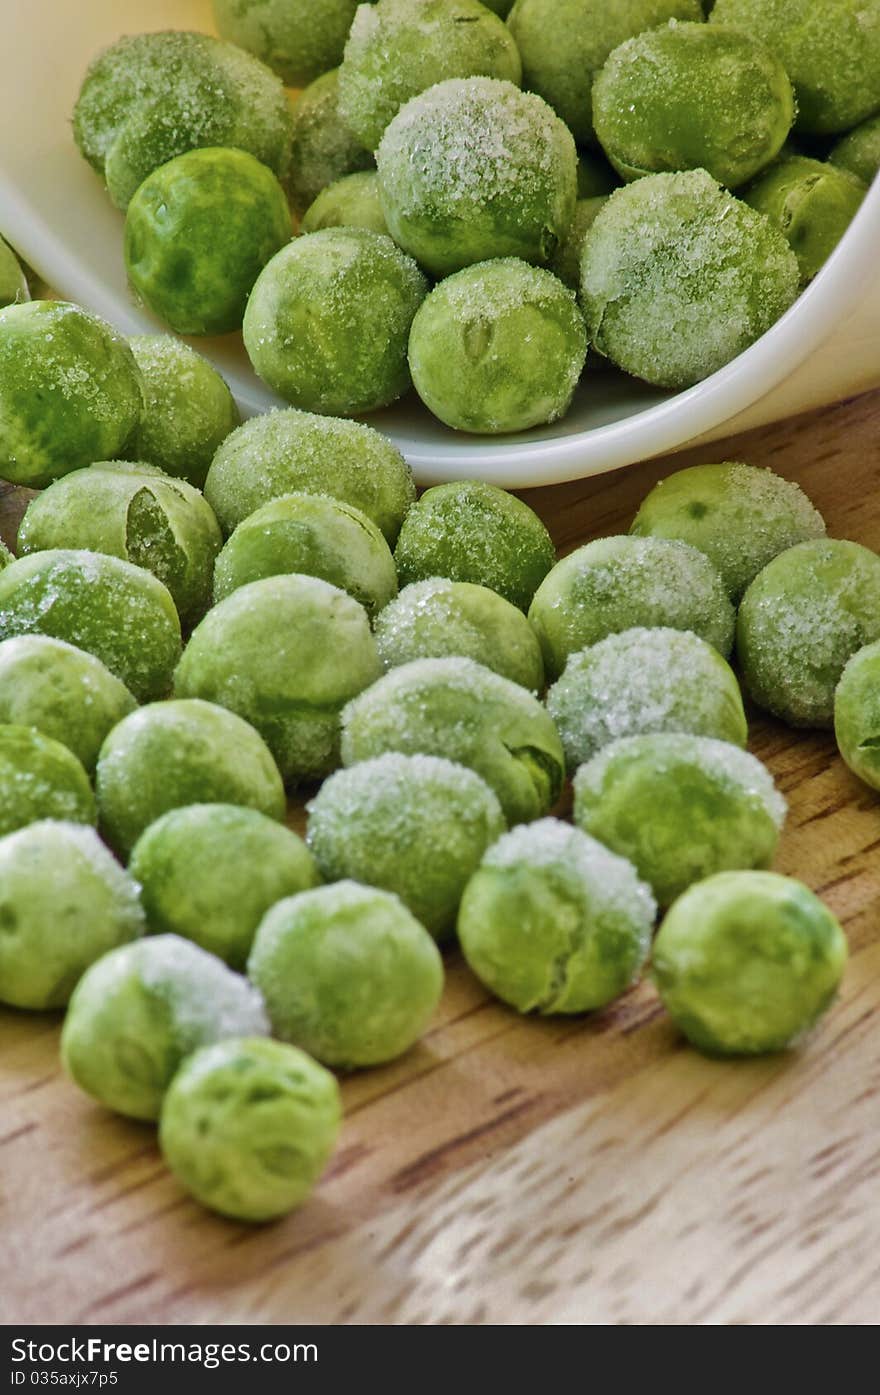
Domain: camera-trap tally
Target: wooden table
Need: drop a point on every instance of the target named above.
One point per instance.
(509, 1170)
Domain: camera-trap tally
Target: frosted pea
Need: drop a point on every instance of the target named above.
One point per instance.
(210, 872)
(347, 973)
(677, 249)
(286, 654)
(622, 583)
(472, 531)
(151, 97)
(740, 516)
(474, 169)
(40, 779)
(436, 619)
(498, 347)
(399, 48)
(552, 922)
(64, 692)
(323, 148)
(747, 962)
(328, 321)
(171, 754)
(188, 409)
(137, 513)
(351, 202)
(801, 620)
(290, 452)
(859, 150)
(315, 536)
(13, 283)
(857, 714)
(64, 902)
(413, 825)
(812, 202)
(680, 808)
(113, 609)
(831, 52)
(248, 1125)
(644, 681)
(141, 1010)
(298, 39)
(70, 391)
(459, 710)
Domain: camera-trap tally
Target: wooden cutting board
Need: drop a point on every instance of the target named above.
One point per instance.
(519, 1171)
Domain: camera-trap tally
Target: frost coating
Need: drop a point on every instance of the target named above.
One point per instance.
(347, 973)
(141, 1010)
(622, 583)
(498, 347)
(40, 779)
(413, 825)
(457, 709)
(801, 620)
(290, 452)
(399, 48)
(680, 808)
(643, 681)
(171, 754)
(678, 277)
(473, 169)
(188, 409)
(437, 619)
(553, 922)
(741, 516)
(64, 902)
(248, 1125)
(323, 148)
(297, 39)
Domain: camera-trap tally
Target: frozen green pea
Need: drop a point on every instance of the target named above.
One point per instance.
(350, 202)
(298, 39)
(113, 609)
(328, 321)
(141, 1010)
(859, 151)
(552, 922)
(313, 535)
(210, 872)
(642, 681)
(474, 169)
(679, 807)
(437, 619)
(248, 1125)
(472, 531)
(64, 692)
(678, 250)
(347, 973)
(399, 48)
(565, 43)
(740, 516)
(414, 825)
(857, 714)
(170, 754)
(831, 52)
(812, 202)
(286, 654)
(64, 902)
(150, 97)
(567, 262)
(13, 283)
(498, 347)
(70, 391)
(290, 452)
(188, 409)
(624, 583)
(198, 232)
(691, 96)
(459, 710)
(324, 148)
(801, 620)
(747, 962)
(137, 513)
(40, 779)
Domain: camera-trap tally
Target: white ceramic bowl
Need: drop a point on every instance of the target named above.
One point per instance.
(54, 210)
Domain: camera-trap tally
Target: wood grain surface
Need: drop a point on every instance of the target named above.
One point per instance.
(519, 1171)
